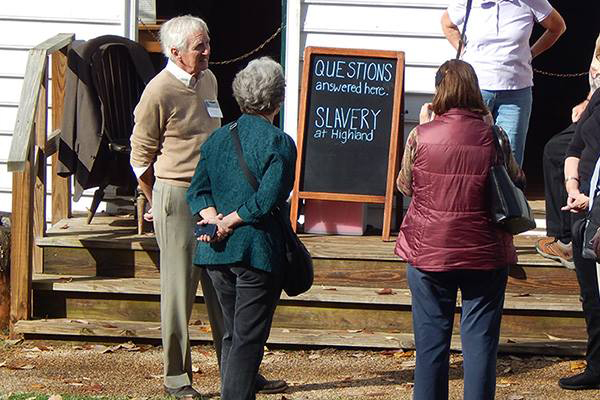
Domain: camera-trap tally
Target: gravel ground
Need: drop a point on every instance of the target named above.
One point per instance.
(134, 371)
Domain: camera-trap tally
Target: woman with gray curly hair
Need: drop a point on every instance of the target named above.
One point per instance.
(245, 256)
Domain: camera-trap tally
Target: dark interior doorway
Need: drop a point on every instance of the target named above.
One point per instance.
(554, 97)
(236, 28)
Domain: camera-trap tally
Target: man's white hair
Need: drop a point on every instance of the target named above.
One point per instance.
(175, 32)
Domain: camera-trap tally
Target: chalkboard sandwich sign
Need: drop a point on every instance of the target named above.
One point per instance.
(349, 125)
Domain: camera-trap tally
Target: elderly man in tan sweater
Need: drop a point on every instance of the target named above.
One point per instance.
(176, 113)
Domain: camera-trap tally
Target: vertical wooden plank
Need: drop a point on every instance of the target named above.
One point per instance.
(21, 244)
(39, 188)
(295, 202)
(61, 187)
(395, 146)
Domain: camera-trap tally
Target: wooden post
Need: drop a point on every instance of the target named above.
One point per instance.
(61, 187)
(39, 190)
(21, 243)
(4, 278)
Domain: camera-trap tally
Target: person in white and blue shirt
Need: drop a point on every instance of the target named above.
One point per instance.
(497, 46)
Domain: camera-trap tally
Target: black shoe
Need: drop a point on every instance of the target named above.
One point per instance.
(184, 392)
(270, 387)
(584, 380)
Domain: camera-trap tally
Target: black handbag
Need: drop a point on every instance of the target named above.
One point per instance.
(509, 207)
(590, 231)
(299, 272)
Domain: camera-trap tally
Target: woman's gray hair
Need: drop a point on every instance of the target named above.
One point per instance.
(259, 88)
(175, 32)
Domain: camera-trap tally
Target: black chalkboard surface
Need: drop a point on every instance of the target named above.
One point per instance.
(348, 129)
(348, 121)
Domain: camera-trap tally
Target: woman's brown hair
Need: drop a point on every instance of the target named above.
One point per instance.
(457, 87)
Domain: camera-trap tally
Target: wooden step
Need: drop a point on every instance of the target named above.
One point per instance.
(323, 307)
(109, 247)
(119, 330)
(317, 294)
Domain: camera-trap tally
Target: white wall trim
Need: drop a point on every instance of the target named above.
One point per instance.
(292, 67)
(374, 3)
(61, 20)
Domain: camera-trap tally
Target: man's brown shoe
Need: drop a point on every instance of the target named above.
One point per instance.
(555, 250)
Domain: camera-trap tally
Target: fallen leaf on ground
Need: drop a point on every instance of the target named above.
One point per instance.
(515, 397)
(408, 364)
(23, 367)
(285, 330)
(502, 385)
(354, 330)
(36, 386)
(579, 364)
(196, 369)
(358, 355)
(514, 358)
(404, 354)
(507, 370)
(65, 226)
(2, 364)
(31, 398)
(314, 356)
(154, 377)
(39, 349)
(385, 291)
(96, 387)
(79, 321)
(128, 345)
(13, 342)
(55, 397)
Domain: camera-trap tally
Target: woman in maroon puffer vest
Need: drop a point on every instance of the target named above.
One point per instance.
(449, 239)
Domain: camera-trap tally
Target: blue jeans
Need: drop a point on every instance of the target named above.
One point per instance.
(511, 110)
(433, 306)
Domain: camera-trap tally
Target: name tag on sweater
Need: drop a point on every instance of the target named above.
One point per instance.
(213, 108)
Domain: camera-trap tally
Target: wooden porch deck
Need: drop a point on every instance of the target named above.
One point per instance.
(102, 280)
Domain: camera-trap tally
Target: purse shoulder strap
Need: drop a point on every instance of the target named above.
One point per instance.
(498, 141)
(461, 43)
(238, 149)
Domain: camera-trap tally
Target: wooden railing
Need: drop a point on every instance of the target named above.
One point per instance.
(30, 148)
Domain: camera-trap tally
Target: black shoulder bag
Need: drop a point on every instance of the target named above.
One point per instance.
(299, 273)
(509, 206)
(461, 43)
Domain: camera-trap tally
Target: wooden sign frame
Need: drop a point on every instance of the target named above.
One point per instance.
(395, 147)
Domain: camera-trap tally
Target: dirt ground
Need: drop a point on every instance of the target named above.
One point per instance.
(134, 371)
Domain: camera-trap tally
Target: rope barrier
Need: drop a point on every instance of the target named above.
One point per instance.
(233, 60)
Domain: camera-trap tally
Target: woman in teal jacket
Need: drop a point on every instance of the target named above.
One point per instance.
(245, 259)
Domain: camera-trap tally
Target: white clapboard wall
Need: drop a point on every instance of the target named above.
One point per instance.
(412, 26)
(27, 23)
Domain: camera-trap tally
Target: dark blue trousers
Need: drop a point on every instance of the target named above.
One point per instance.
(433, 306)
(248, 298)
